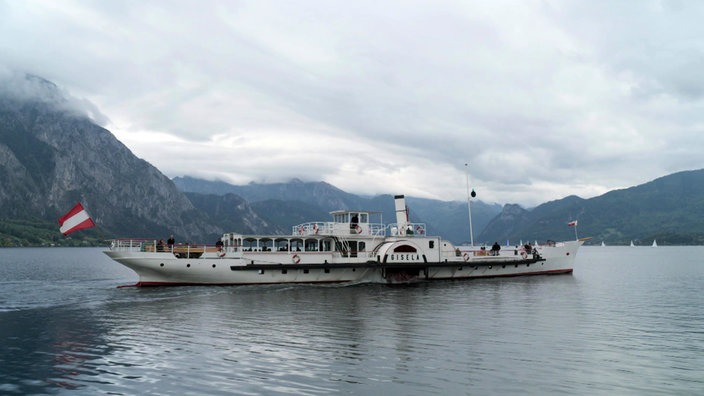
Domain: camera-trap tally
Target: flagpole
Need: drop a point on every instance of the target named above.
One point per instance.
(469, 205)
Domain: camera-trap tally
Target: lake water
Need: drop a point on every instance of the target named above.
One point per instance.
(629, 321)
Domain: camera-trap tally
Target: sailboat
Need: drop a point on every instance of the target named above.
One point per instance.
(602, 243)
(632, 245)
(655, 244)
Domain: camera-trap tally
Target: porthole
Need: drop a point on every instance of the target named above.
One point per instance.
(188, 265)
(161, 265)
(213, 265)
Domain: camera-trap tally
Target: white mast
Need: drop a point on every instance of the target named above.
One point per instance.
(469, 206)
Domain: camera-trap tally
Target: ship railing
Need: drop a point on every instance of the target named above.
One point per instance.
(156, 246)
(312, 228)
(333, 228)
(140, 245)
(485, 252)
(411, 229)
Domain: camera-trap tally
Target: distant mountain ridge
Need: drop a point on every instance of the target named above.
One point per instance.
(669, 209)
(447, 219)
(324, 195)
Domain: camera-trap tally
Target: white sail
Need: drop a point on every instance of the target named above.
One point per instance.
(655, 244)
(632, 245)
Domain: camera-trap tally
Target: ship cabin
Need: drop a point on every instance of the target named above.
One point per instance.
(348, 233)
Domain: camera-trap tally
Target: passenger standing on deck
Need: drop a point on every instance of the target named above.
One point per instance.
(170, 242)
(495, 249)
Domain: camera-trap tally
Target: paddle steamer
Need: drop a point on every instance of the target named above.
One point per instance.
(350, 248)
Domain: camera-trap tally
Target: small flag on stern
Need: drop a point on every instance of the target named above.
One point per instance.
(76, 219)
(572, 223)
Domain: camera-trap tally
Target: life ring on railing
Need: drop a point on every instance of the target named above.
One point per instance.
(295, 259)
(524, 255)
(420, 230)
(358, 229)
(315, 229)
(465, 256)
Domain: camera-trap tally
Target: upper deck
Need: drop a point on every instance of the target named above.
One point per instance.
(356, 223)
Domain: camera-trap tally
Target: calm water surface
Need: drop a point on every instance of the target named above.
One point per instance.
(629, 321)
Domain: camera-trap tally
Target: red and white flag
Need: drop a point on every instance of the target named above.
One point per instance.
(572, 223)
(76, 219)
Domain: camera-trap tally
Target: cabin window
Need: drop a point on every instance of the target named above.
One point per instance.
(325, 245)
(296, 245)
(341, 218)
(311, 245)
(266, 244)
(249, 245)
(431, 244)
(363, 218)
(362, 246)
(282, 245)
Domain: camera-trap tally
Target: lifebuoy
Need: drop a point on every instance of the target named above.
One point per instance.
(358, 229)
(295, 259)
(465, 256)
(420, 230)
(524, 254)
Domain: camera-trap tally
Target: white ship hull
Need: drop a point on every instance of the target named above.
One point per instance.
(164, 268)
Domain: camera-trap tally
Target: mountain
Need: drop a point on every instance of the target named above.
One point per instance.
(450, 219)
(52, 154)
(232, 213)
(324, 195)
(668, 209)
(312, 201)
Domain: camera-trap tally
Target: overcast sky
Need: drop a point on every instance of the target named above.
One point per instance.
(543, 99)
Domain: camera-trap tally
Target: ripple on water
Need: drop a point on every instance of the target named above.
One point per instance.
(625, 326)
